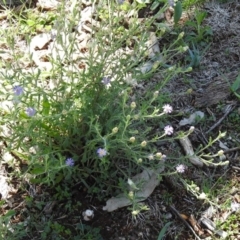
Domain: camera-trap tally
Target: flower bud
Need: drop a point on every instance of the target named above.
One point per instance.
(202, 196)
(150, 156)
(128, 117)
(222, 134)
(135, 212)
(143, 144)
(136, 117)
(115, 130)
(139, 160)
(191, 129)
(131, 194)
(155, 94)
(220, 153)
(163, 30)
(180, 36)
(132, 139)
(159, 155)
(133, 105)
(189, 69)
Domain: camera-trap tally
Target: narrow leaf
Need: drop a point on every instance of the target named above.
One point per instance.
(236, 84)
(163, 231)
(38, 170)
(177, 12)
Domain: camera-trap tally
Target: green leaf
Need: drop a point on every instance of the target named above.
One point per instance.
(200, 17)
(155, 5)
(30, 22)
(58, 179)
(236, 84)
(163, 231)
(46, 107)
(10, 213)
(38, 170)
(177, 12)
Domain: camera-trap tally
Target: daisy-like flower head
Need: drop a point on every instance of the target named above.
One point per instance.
(101, 152)
(18, 90)
(30, 111)
(171, 3)
(106, 81)
(69, 162)
(181, 168)
(168, 130)
(167, 108)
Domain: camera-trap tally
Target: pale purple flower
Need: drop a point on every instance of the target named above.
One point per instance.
(168, 130)
(69, 162)
(181, 168)
(106, 81)
(30, 111)
(101, 152)
(167, 108)
(171, 3)
(18, 90)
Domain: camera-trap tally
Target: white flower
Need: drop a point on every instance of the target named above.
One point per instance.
(181, 168)
(167, 108)
(168, 130)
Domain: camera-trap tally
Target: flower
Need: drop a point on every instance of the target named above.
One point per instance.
(164, 157)
(18, 90)
(167, 108)
(69, 162)
(143, 144)
(171, 3)
(181, 168)
(101, 152)
(168, 130)
(30, 111)
(106, 81)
